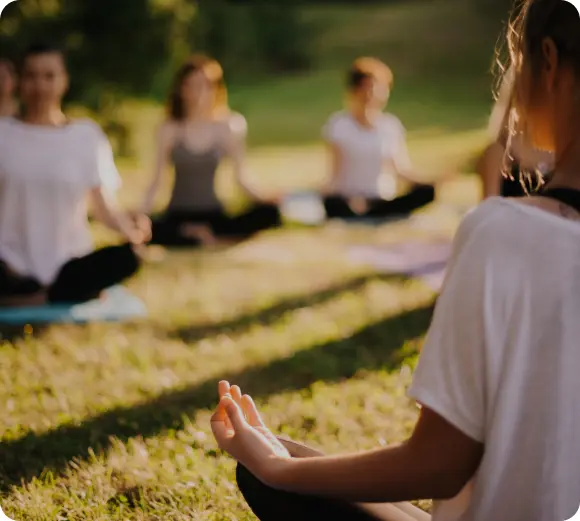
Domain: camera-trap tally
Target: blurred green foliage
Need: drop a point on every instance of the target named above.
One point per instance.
(130, 48)
(118, 50)
(254, 37)
(123, 54)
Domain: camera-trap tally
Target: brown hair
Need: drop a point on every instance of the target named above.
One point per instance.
(9, 65)
(536, 21)
(213, 70)
(365, 67)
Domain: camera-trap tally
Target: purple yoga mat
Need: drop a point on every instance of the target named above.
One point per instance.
(426, 261)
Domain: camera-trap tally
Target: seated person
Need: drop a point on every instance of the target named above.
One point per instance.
(368, 151)
(49, 167)
(199, 133)
(7, 86)
(530, 168)
(497, 437)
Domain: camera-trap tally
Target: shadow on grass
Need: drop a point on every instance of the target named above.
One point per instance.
(268, 316)
(380, 345)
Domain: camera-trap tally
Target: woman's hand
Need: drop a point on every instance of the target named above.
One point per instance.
(141, 227)
(135, 227)
(240, 431)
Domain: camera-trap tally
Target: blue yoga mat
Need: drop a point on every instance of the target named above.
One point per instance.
(117, 304)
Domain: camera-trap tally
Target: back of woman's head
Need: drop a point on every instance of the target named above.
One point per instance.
(544, 59)
(212, 73)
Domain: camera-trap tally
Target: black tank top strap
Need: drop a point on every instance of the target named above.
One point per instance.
(568, 196)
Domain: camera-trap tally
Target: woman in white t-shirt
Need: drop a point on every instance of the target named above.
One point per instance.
(498, 437)
(50, 167)
(368, 151)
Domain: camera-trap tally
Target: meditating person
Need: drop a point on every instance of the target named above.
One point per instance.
(8, 105)
(529, 167)
(368, 151)
(200, 132)
(50, 167)
(497, 379)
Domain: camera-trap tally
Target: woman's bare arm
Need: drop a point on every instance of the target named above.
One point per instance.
(165, 142)
(334, 160)
(489, 168)
(436, 462)
(235, 138)
(106, 211)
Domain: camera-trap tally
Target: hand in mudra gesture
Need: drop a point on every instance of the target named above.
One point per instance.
(240, 431)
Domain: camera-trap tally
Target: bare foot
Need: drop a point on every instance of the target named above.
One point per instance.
(200, 232)
(22, 301)
(359, 205)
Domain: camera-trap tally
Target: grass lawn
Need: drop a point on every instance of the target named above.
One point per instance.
(111, 422)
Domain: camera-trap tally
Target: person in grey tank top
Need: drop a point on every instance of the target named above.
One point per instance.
(199, 133)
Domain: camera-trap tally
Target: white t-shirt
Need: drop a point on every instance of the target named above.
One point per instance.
(370, 158)
(46, 174)
(501, 362)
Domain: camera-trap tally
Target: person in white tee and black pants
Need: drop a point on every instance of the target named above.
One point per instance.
(50, 168)
(368, 151)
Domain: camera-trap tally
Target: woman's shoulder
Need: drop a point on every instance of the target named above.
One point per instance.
(234, 123)
(500, 223)
(168, 128)
(391, 122)
(87, 128)
(6, 123)
(338, 118)
(337, 126)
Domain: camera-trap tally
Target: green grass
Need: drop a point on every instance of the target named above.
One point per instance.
(110, 422)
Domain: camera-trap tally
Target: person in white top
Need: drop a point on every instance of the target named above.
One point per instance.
(368, 151)
(498, 435)
(50, 167)
(8, 104)
(530, 167)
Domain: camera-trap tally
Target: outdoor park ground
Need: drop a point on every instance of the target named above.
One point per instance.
(111, 422)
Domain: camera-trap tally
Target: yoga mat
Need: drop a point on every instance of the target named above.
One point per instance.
(116, 305)
(423, 260)
(304, 208)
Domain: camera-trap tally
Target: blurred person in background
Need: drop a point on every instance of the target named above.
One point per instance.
(8, 105)
(50, 168)
(530, 167)
(368, 151)
(200, 132)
